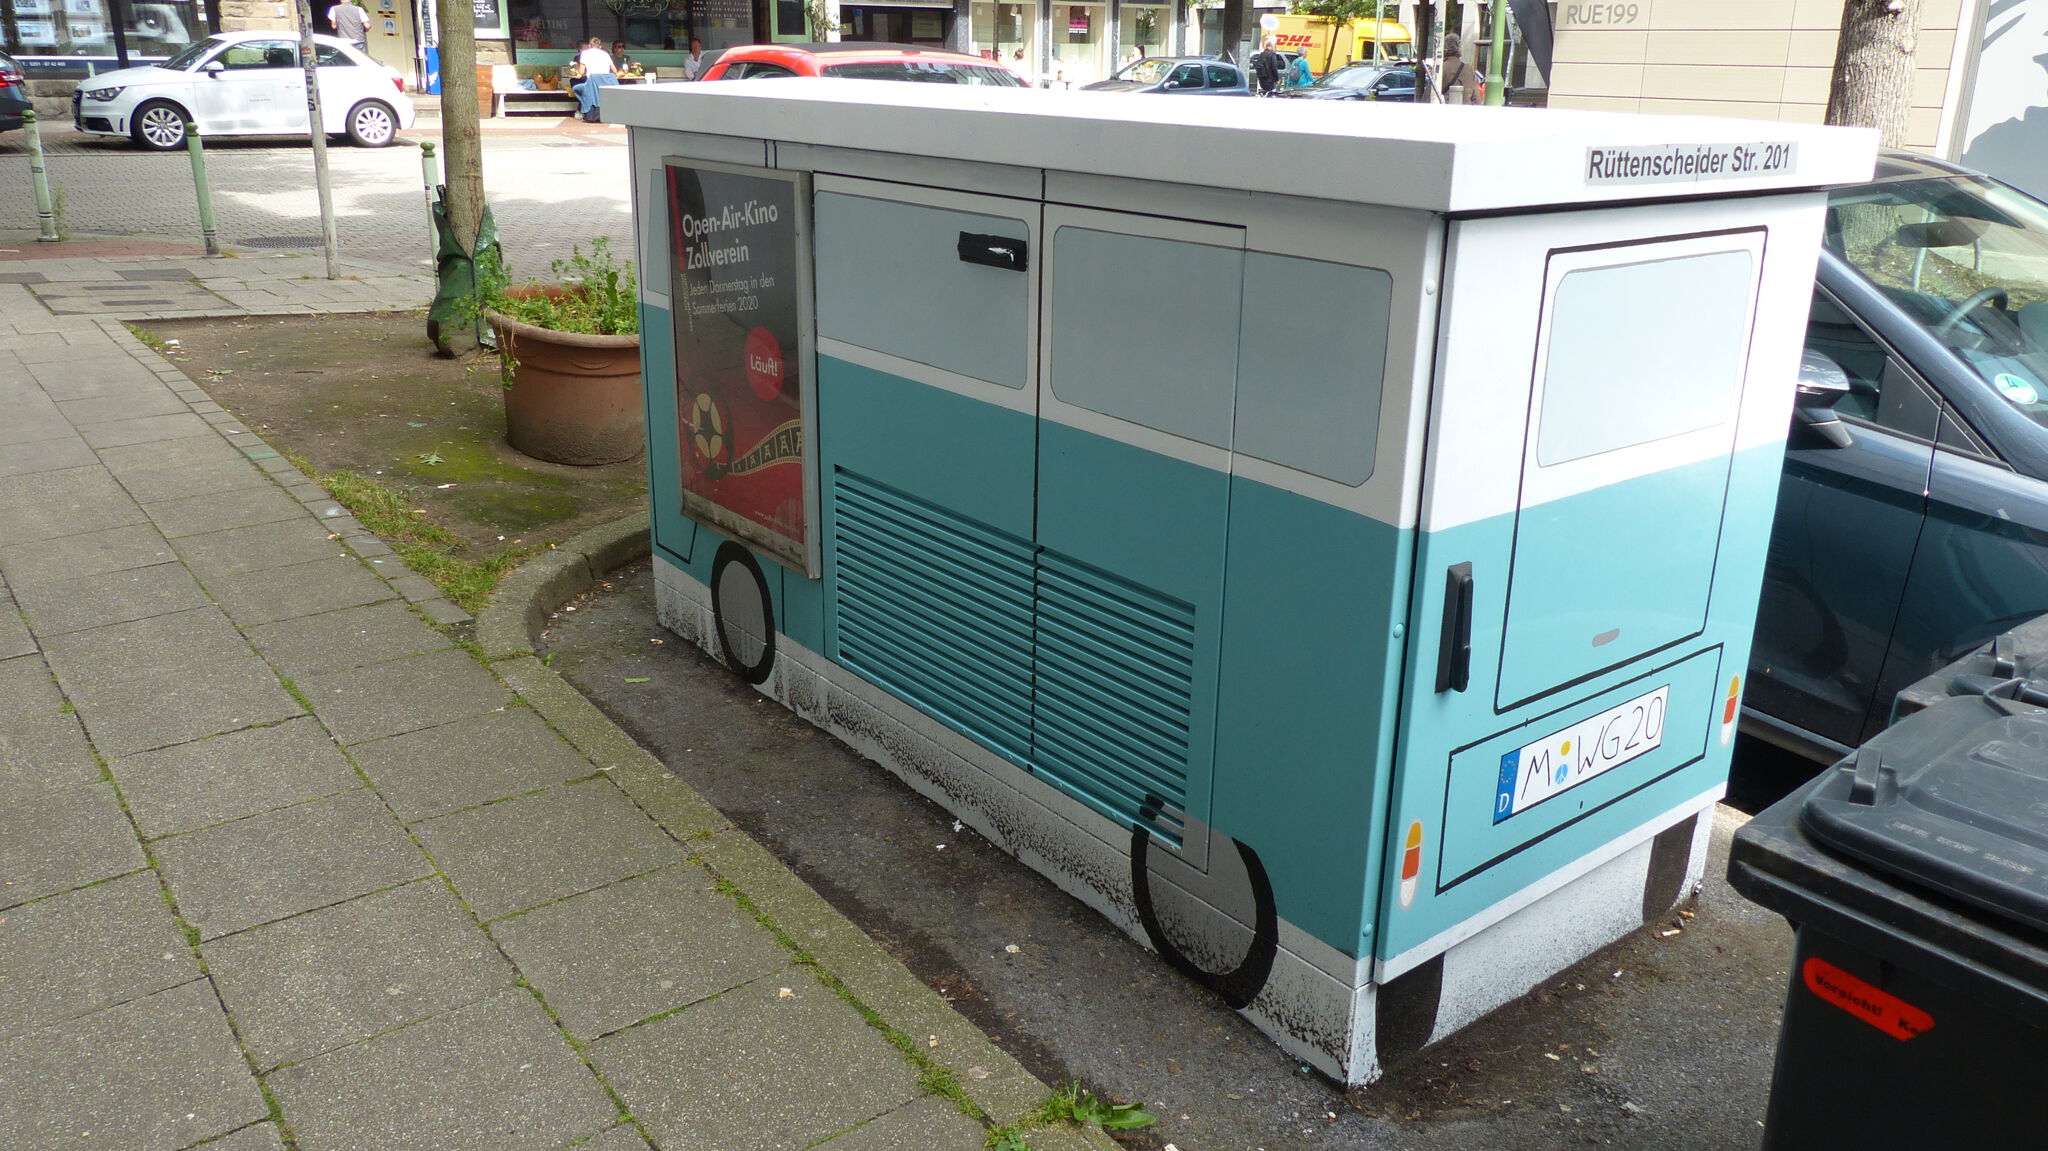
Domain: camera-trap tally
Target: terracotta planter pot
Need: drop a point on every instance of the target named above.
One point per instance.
(573, 399)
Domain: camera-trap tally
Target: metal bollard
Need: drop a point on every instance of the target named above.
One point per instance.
(197, 148)
(46, 212)
(433, 179)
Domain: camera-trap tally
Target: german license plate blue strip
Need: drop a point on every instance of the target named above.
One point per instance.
(1557, 763)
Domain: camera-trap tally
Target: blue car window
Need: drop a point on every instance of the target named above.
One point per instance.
(1221, 76)
(1880, 392)
(1186, 76)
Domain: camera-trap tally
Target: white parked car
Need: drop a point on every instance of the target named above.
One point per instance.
(245, 84)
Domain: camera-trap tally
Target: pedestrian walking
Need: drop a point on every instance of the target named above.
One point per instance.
(1267, 66)
(351, 22)
(1298, 73)
(693, 67)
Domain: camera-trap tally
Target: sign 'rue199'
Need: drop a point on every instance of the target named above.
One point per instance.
(740, 395)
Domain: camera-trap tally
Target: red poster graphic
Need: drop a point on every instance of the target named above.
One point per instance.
(739, 392)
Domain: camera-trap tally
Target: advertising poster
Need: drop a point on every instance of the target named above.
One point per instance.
(741, 388)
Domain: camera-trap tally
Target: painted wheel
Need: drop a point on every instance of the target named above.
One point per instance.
(159, 126)
(372, 124)
(742, 613)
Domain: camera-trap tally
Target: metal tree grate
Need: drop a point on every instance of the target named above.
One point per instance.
(281, 242)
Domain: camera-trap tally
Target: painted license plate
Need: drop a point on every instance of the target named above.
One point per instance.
(1557, 763)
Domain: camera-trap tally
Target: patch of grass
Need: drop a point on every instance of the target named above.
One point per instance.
(155, 342)
(430, 550)
(1075, 1105)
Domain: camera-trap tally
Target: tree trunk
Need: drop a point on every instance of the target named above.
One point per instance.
(1234, 29)
(462, 147)
(1873, 82)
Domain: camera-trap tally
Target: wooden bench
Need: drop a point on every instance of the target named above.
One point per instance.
(520, 101)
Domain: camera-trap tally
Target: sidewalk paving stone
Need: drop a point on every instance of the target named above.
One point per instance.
(62, 839)
(60, 451)
(667, 940)
(281, 863)
(620, 1138)
(331, 977)
(366, 703)
(44, 753)
(469, 761)
(142, 430)
(86, 554)
(198, 515)
(45, 505)
(722, 1073)
(26, 689)
(92, 374)
(228, 777)
(255, 1137)
(155, 1074)
(87, 950)
(278, 593)
(14, 637)
(208, 699)
(492, 1076)
(927, 1122)
(115, 597)
(144, 397)
(338, 640)
(521, 853)
(157, 647)
(172, 469)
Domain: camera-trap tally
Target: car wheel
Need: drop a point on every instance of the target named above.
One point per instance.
(158, 125)
(372, 124)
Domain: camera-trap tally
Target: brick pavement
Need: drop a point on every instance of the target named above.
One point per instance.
(284, 864)
(550, 183)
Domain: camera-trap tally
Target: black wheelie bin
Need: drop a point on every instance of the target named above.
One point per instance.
(1915, 875)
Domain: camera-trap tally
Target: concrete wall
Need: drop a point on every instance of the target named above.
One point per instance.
(1758, 59)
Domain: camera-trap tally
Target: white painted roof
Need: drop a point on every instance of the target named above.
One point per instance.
(1433, 157)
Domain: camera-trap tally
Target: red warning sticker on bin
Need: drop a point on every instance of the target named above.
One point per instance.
(1881, 1009)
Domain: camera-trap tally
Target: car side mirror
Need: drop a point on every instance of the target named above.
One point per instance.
(214, 68)
(1822, 384)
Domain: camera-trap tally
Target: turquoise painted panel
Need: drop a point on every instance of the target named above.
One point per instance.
(1306, 702)
(1488, 781)
(1139, 536)
(1435, 725)
(672, 530)
(1605, 576)
(973, 458)
(927, 510)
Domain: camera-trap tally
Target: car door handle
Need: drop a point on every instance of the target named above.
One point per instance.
(1454, 649)
(994, 251)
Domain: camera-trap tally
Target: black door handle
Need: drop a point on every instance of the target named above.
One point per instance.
(994, 251)
(1454, 650)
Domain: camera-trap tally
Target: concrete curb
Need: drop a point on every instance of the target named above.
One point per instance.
(989, 1076)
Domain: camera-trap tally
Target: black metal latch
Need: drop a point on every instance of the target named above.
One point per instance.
(995, 251)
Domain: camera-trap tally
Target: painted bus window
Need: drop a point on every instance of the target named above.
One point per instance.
(1309, 381)
(941, 311)
(1145, 330)
(1643, 352)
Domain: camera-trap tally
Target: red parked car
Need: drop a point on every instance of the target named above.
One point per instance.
(856, 61)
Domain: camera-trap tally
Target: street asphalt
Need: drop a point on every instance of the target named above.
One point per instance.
(294, 853)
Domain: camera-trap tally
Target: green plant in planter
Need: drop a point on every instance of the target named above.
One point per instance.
(594, 294)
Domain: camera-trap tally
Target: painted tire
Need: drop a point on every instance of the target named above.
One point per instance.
(1241, 984)
(372, 124)
(159, 126)
(742, 613)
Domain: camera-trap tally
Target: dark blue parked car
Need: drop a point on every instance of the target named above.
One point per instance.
(1178, 75)
(1361, 80)
(1914, 526)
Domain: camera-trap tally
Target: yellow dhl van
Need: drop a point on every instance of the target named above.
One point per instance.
(1329, 45)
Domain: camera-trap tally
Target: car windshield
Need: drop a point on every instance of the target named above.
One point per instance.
(927, 71)
(1151, 70)
(1968, 258)
(192, 54)
(1351, 76)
